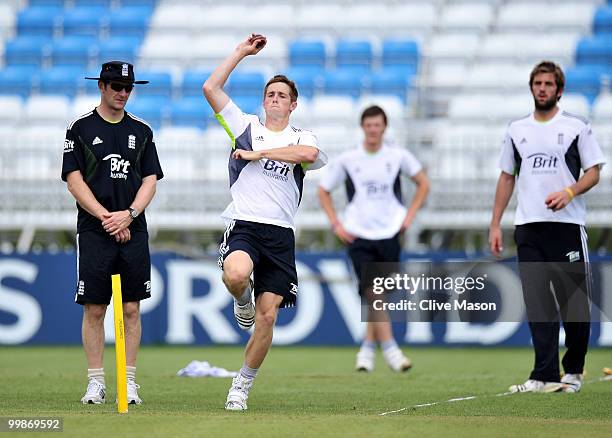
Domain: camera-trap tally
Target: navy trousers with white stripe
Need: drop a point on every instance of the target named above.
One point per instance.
(555, 275)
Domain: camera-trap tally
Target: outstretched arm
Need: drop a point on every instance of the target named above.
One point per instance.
(295, 154)
(213, 87)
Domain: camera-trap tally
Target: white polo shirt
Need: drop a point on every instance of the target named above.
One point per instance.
(264, 191)
(547, 157)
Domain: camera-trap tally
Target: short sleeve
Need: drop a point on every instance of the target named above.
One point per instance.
(589, 150)
(309, 139)
(409, 164)
(334, 175)
(507, 163)
(73, 155)
(233, 120)
(150, 161)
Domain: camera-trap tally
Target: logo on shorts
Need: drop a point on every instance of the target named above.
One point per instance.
(148, 286)
(294, 288)
(573, 256)
(119, 166)
(81, 290)
(131, 141)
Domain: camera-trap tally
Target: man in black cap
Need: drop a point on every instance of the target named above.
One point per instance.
(111, 167)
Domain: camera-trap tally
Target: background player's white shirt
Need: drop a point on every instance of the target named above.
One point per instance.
(547, 157)
(264, 191)
(373, 188)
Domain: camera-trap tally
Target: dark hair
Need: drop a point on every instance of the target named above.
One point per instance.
(548, 67)
(373, 111)
(293, 92)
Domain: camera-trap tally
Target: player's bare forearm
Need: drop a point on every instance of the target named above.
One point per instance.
(422, 183)
(295, 154)
(117, 221)
(327, 205)
(79, 189)
(560, 199)
(503, 193)
(213, 87)
(145, 193)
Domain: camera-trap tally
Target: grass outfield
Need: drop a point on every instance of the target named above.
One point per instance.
(306, 392)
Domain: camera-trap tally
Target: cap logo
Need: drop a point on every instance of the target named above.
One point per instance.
(124, 70)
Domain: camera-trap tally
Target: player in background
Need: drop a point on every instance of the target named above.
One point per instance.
(111, 167)
(267, 166)
(544, 153)
(373, 221)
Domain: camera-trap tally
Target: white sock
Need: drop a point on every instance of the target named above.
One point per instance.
(131, 373)
(96, 373)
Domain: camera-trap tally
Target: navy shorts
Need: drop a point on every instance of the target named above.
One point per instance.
(272, 250)
(99, 256)
(374, 258)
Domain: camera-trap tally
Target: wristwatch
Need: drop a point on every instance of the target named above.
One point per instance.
(133, 212)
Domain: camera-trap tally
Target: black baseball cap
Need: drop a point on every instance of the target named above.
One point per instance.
(118, 71)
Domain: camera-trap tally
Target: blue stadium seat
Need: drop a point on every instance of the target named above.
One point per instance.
(602, 22)
(99, 3)
(129, 21)
(26, 50)
(121, 48)
(307, 79)
(242, 83)
(191, 111)
(75, 51)
(150, 108)
(84, 21)
(40, 21)
(160, 84)
(150, 3)
(91, 87)
(354, 53)
(392, 81)
(585, 80)
(596, 50)
(17, 80)
(343, 81)
(55, 3)
(307, 53)
(192, 82)
(60, 80)
(400, 53)
(249, 104)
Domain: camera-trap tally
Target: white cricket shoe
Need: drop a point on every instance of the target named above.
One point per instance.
(396, 360)
(536, 386)
(238, 394)
(365, 360)
(95, 394)
(245, 315)
(132, 392)
(573, 382)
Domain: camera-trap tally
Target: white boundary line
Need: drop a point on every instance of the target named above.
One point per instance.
(472, 397)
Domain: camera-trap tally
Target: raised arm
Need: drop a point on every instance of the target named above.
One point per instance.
(213, 87)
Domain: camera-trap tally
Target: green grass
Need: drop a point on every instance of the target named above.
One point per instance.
(308, 392)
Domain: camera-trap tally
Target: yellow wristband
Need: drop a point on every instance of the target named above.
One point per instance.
(570, 192)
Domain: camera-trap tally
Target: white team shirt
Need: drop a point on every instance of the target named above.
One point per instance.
(372, 180)
(547, 157)
(264, 191)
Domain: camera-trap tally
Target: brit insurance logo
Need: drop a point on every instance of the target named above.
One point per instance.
(276, 170)
(118, 166)
(68, 146)
(543, 164)
(375, 189)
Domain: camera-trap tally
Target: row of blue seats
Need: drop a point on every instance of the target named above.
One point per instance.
(78, 52)
(105, 3)
(23, 80)
(354, 53)
(84, 21)
(602, 21)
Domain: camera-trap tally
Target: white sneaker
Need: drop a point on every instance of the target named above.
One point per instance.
(365, 360)
(132, 393)
(95, 394)
(537, 386)
(245, 315)
(573, 382)
(238, 394)
(396, 360)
